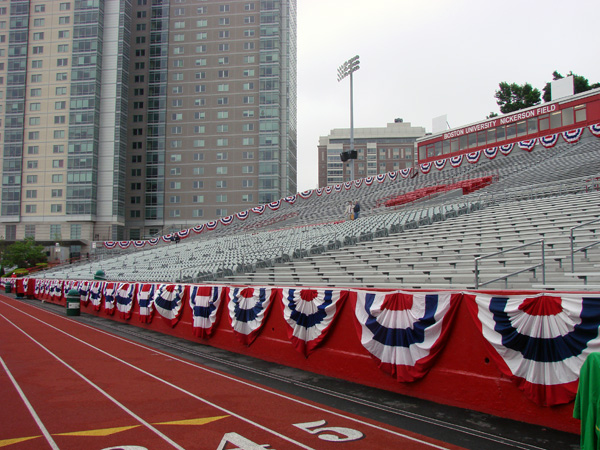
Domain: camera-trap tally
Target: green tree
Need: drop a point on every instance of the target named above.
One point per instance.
(513, 97)
(23, 254)
(580, 84)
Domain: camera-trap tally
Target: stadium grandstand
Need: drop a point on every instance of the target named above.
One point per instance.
(419, 228)
(489, 251)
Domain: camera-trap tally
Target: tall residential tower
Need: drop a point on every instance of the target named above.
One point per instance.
(123, 119)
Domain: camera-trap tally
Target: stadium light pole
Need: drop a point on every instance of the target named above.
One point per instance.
(347, 69)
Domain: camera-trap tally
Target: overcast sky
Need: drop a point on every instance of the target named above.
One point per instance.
(424, 58)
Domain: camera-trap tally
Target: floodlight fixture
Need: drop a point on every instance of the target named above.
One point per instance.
(347, 69)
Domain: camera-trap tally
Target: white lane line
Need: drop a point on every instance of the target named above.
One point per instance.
(39, 423)
(228, 377)
(214, 405)
(105, 394)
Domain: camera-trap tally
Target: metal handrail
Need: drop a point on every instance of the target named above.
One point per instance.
(505, 277)
(585, 247)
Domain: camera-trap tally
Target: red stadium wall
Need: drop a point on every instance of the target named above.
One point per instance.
(463, 374)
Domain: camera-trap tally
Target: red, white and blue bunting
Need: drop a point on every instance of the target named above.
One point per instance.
(473, 157)
(226, 220)
(309, 314)
(168, 300)
(305, 194)
(37, 290)
(124, 298)
(274, 206)
(242, 215)
(110, 290)
(440, 163)
(540, 341)
(205, 302)
(290, 199)
(248, 308)
(572, 136)
(506, 149)
(405, 173)
(426, 167)
(527, 144)
(146, 302)
(83, 288)
(456, 161)
(404, 331)
(549, 141)
(491, 153)
(55, 290)
(95, 294)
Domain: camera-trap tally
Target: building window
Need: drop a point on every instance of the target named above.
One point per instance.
(30, 231)
(75, 231)
(55, 232)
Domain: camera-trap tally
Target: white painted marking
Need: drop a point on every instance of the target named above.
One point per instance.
(222, 375)
(39, 423)
(96, 387)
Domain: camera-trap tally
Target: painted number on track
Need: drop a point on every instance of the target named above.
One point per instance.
(241, 442)
(331, 434)
(325, 433)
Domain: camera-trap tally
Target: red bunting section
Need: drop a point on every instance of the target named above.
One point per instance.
(522, 353)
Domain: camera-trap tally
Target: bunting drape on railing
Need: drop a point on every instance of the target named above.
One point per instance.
(95, 294)
(309, 313)
(125, 297)
(168, 301)
(570, 136)
(248, 308)
(110, 291)
(540, 341)
(404, 331)
(205, 302)
(146, 302)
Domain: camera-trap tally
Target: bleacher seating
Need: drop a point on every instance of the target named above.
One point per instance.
(430, 241)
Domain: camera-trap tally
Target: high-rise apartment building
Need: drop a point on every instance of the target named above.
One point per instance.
(379, 150)
(123, 119)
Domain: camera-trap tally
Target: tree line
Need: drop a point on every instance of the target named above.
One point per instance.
(513, 97)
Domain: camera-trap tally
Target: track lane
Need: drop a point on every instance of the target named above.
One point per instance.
(176, 385)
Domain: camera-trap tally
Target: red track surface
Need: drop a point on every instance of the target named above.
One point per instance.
(66, 385)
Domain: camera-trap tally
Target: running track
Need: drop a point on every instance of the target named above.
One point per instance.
(65, 385)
